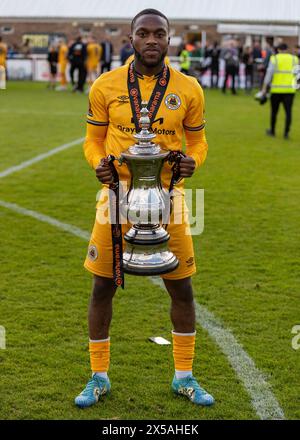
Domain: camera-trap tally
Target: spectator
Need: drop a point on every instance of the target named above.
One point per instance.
(52, 60)
(93, 59)
(77, 57)
(297, 52)
(185, 61)
(247, 59)
(268, 52)
(25, 48)
(62, 64)
(231, 59)
(3, 55)
(257, 53)
(107, 53)
(214, 54)
(126, 51)
(197, 61)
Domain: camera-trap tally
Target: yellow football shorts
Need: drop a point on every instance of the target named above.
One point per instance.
(62, 68)
(92, 65)
(99, 259)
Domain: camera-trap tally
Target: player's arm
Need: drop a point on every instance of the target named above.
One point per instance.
(194, 128)
(94, 145)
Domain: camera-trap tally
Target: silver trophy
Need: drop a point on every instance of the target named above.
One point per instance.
(146, 206)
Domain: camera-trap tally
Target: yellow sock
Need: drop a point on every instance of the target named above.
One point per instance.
(100, 355)
(183, 352)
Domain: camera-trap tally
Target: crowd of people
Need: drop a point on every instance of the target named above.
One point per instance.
(229, 57)
(86, 57)
(223, 65)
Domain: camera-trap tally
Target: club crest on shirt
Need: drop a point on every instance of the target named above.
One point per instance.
(172, 101)
(92, 252)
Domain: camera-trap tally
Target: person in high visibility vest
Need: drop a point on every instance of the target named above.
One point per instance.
(185, 61)
(281, 76)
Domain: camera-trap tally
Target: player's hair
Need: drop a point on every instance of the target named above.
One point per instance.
(148, 11)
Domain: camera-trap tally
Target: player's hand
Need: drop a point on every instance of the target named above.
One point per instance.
(187, 166)
(104, 173)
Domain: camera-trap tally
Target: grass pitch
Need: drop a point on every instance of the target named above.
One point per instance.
(248, 268)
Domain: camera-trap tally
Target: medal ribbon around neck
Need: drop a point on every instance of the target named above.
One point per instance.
(155, 99)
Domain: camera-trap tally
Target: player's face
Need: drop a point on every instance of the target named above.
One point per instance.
(150, 39)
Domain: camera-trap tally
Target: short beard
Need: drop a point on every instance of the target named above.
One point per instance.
(145, 63)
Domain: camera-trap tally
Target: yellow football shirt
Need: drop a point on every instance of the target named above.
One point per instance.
(110, 126)
(62, 54)
(3, 54)
(94, 52)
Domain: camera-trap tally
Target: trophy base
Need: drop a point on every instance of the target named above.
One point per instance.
(148, 260)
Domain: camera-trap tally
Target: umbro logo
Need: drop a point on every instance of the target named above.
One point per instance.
(123, 99)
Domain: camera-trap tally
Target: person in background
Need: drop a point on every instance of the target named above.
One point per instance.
(257, 52)
(77, 57)
(247, 59)
(52, 60)
(94, 51)
(25, 48)
(13, 50)
(258, 61)
(106, 57)
(231, 58)
(297, 51)
(214, 53)
(197, 61)
(62, 64)
(266, 55)
(3, 55)
(185, 61)
(281, 77)
(126, 51)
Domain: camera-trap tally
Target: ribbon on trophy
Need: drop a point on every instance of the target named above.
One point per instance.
(116, 229)
(174, 157)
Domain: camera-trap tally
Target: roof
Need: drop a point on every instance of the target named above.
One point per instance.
(250, 11)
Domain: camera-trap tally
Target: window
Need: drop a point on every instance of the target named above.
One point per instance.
(113, 32)
(5, 30)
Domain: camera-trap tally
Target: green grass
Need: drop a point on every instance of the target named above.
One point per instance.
(248, 268)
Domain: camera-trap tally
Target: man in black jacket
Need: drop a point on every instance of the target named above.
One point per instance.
(77, 57)
(107, 53)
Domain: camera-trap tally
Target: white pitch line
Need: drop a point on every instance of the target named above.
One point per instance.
(38, 158)
(46, 219)
(262, 398)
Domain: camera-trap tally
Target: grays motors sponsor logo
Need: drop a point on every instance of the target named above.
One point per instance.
(161, 131)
